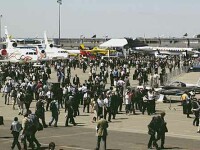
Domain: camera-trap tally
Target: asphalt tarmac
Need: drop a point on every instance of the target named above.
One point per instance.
(125, 132)
(79, 138)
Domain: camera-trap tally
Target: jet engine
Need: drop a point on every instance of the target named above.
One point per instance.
(51, 45)
(14, 44)
(42, 51)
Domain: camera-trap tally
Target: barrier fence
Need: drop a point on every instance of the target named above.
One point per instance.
(171, 76)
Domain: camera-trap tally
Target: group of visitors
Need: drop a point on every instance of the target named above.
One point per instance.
(24, 83)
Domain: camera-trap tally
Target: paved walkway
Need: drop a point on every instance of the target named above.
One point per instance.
(178, 124)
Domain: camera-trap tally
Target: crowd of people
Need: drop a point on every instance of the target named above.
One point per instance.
(103, 93)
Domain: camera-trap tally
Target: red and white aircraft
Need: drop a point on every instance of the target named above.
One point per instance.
(12, 53)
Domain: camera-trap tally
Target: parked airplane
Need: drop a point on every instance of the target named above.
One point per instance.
(55, 52)
(21, 57)
(30, 44)
(164, 50)
(12, 53)
(41, 54)
(139, 46)
(176, 88)
(182, 86)
(97, 50)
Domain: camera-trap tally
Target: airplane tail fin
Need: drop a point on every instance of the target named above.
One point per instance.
(6, 34)
(134, 43)
(47, 45)
(82, 47)
(8, 38)
(45, 39)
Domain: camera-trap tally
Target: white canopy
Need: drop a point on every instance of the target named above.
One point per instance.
(114, 43)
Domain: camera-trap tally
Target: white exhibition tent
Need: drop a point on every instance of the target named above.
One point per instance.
(120, 43)
(114, 43)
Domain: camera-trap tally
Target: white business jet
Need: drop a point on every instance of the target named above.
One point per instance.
(53, 52)
(164, 50)
(12, 53)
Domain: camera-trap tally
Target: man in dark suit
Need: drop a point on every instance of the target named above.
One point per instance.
(154, 127)
(15, 128)
(102, 126)
(76, 80)
(163, 130)
(69, 116)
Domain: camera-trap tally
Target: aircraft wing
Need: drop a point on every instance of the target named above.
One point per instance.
(176, 92)
(182, 86)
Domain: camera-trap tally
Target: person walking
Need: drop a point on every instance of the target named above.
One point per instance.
(55, 112)
(20, 98)
(28, 98)
(151, 102)
(153, 127)
(107, 109)
(50, 96)
(127, 102)
(69, 116)
(40, 112)
(86, 101)
(15, 128)
(101, 128)
(100, 104)
(76, 80)
(25, 135)
(6, 92)
(162, 130)
(196, 111)
(13, 95)
(184, 98)
(33, 128)
(95, 110)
